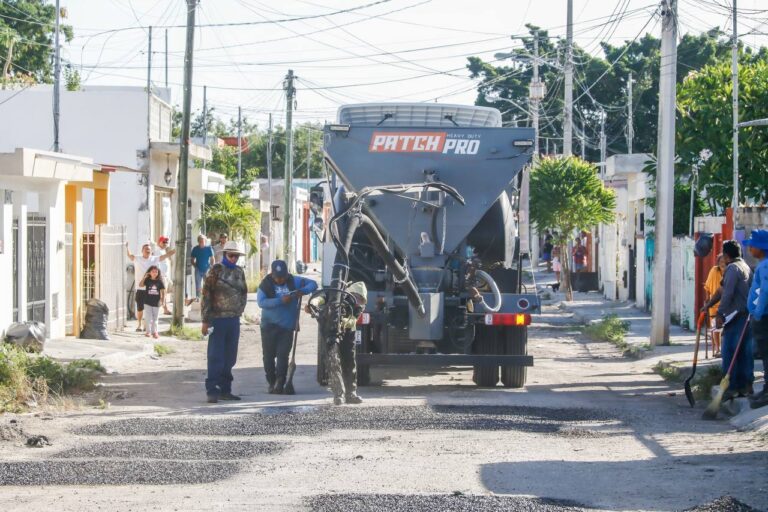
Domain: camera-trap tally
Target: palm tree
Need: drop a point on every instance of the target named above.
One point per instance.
(233, 214)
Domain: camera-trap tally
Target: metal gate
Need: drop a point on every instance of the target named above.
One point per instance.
(15, 258)
(36, 268)
(110, 280)
(69, 321)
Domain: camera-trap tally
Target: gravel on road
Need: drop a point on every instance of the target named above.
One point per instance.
(442, 502)
(312, 421)
(172, 449)
(114, 472)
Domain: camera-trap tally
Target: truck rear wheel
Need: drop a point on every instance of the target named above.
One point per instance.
(516, 344)
(486, 343)
(322, 371)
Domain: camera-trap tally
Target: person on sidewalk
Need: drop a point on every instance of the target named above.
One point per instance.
(711, 290)
(342, 359)
(557, 267)
(218, 249)
(165, 270)
(580, 254)
(732, 316)
(154, 293)
(757, 304)
(202, 260)
(278, 298)
(224, 297)
(140, 266)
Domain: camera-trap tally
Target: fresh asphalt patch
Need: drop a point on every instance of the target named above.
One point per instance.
(114, 472)
(474, 503)
(172, 449)
(442, 502)
(315, 420)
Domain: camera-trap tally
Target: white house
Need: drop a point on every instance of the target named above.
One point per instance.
(33, 255)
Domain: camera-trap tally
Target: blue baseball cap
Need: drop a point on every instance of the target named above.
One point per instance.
(279, 268)
(758, 239)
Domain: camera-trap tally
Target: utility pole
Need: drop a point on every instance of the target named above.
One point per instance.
(239, 143)
(149, 86)
(180, 268)
(568, 113)
(665, 175)
(290, 92)
(630, 115)
(205, 114)
(269, 190)
(603, 146)
(536, 93)
(56, 79)
(735, 78)
(166, 58)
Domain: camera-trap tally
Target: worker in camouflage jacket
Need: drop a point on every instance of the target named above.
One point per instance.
(225, 294)
(341, 362)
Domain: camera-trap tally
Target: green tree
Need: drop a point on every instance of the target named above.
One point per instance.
(232, 213)
(26, 40)
(567, 196)
(705, 111)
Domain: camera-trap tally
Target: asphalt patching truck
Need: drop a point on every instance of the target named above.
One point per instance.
(425, 206)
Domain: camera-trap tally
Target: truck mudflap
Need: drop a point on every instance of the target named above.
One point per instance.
(444, 360)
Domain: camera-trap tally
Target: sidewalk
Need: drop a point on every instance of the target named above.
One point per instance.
(587, 308)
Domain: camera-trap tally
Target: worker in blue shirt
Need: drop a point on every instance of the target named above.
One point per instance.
(278, 298)
(757, 304)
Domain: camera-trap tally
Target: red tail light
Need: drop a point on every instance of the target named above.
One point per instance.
(364, 319)
(513, 319)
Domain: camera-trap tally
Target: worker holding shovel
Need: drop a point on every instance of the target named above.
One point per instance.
(757, 303)
(278, 297)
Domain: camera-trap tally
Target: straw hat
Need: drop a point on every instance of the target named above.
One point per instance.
(233, 247)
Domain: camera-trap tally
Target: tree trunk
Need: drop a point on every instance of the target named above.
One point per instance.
(565, 263)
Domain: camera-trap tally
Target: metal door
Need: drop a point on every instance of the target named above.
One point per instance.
(632, 274)
(36, 268)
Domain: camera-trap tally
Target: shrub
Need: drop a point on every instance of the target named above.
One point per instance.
(163, 350)
(610, 329)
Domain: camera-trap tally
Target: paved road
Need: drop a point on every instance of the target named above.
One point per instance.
(591, 431)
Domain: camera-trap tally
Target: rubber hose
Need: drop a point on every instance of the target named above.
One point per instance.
(373, 234)
(494, 289)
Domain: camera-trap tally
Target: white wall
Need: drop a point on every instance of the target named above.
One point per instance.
(108, 124)
(130, 206)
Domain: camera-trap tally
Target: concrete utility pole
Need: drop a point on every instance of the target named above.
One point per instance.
(269, 190)
(603, 145)
(630, 115)
(56, 79)
(568, 113)
(180, 269)
(735, 78)
(239, 143)
(205, 114)
(166, 58)
(149, 87)
(290, 92)
(665, 175)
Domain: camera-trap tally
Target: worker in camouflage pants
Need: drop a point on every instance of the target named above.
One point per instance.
(341, 360)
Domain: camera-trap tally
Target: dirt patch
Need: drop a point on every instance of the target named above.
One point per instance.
(724, 504)
(11, 431)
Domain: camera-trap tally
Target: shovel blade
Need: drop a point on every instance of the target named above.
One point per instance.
(689, 393)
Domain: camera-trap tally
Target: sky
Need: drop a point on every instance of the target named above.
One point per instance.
(371, 51)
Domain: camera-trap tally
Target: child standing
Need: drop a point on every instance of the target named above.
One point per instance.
(155, 292)
(556, 266)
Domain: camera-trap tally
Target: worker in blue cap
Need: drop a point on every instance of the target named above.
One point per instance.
(278, 297)
(757, 304)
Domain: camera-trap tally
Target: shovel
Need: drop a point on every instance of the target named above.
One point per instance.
(714, 405)
(688, 391)
(288, 388)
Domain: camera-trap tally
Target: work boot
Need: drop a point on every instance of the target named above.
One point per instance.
(213, 399)
(352, 398)
(229, 396)
(337, 400)
(271, 382)
(279, 384)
